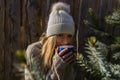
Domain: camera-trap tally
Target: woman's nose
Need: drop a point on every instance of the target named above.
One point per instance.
(65, 41)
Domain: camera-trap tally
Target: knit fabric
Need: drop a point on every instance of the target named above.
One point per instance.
(60, 21)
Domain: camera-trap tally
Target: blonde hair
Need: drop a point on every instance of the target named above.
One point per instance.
(48, 50)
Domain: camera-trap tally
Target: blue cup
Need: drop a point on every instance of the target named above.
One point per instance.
(69, 47)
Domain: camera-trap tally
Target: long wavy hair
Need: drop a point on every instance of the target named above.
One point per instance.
(48, 50)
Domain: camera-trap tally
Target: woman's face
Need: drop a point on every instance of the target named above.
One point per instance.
(63, 39)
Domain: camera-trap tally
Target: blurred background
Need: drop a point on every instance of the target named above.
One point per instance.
(23, 21)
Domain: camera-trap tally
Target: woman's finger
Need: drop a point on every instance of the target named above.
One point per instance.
(68, 55)
(61, 53)
(68, 58)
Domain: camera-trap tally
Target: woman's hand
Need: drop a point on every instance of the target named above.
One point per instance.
(62, 59)
(67, 57)
(62, 64)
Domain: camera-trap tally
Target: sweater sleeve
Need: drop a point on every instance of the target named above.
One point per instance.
(63, 70)
(33, 62)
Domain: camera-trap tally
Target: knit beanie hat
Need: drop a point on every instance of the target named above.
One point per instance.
(60, 21)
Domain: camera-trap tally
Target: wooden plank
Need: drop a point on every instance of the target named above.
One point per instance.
(32, 25)
(7, 54)
(14, 21)
(2, 10)
(12, 31)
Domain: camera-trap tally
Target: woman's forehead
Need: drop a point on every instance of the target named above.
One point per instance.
(64, 34)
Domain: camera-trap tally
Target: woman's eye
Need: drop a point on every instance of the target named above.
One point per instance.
(69, 36)
(60, 35)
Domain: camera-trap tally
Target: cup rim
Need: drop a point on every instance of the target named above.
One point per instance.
(66, 46)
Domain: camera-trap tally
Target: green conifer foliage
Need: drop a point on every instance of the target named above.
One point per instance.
(102, 61)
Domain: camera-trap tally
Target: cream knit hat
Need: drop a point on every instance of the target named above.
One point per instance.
(60, 21)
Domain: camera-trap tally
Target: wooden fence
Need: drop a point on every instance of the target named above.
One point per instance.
(23, 21)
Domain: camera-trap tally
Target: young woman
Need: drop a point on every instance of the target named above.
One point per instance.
(44, 61)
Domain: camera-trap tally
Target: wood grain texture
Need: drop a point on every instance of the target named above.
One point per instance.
(23, 21)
